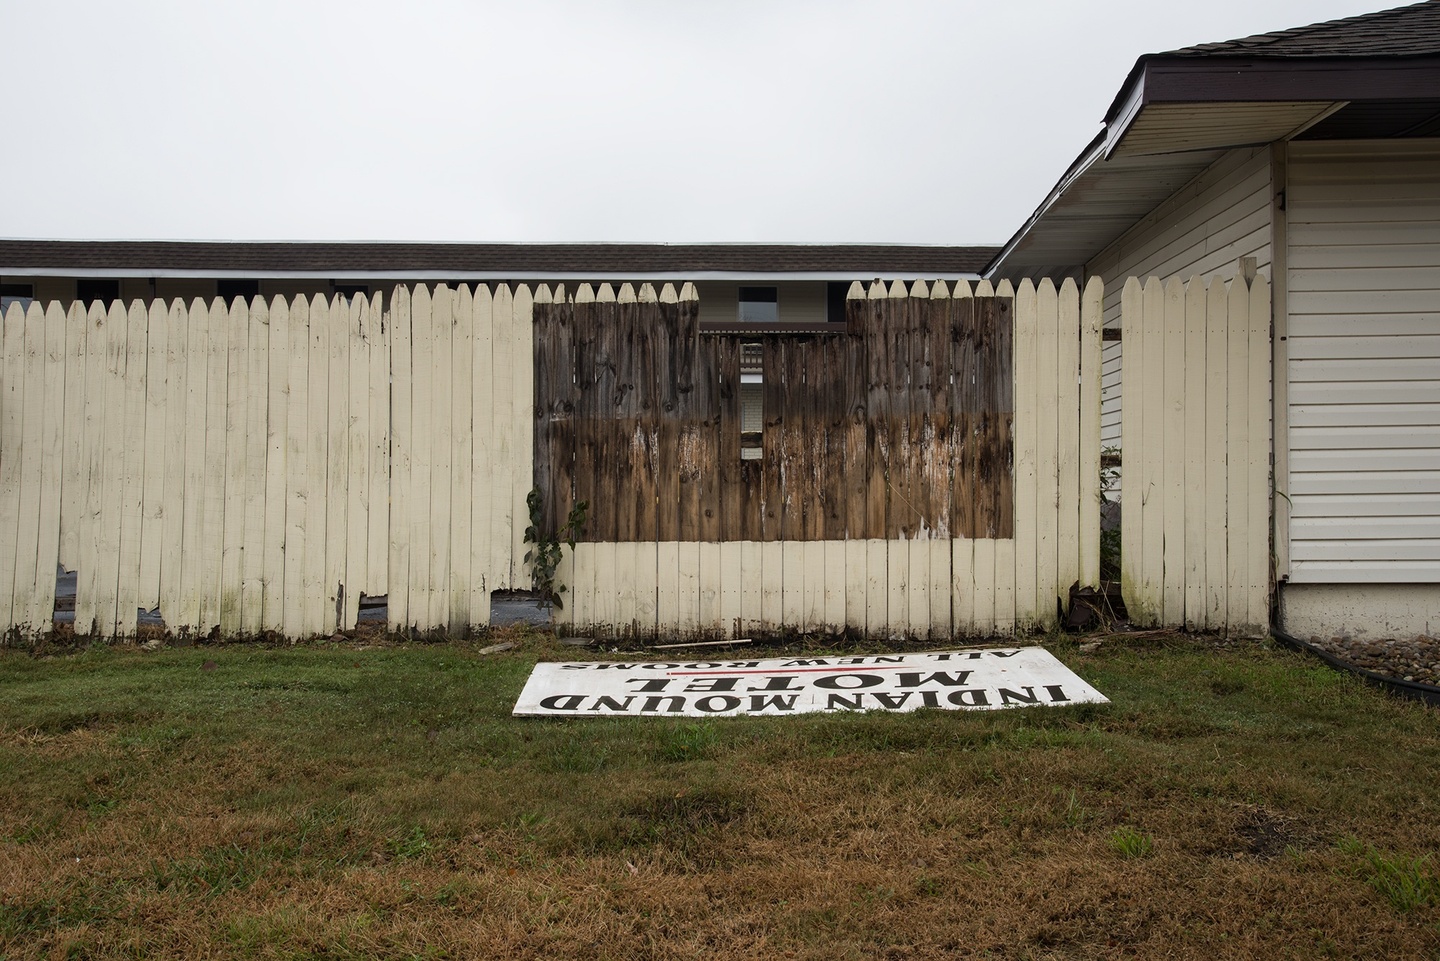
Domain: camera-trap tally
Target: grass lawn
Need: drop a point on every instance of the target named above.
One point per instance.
(1235, 800)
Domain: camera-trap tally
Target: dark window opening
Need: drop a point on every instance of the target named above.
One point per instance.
(21, 294)
(228, 290)
(89, 290)
(759, 305)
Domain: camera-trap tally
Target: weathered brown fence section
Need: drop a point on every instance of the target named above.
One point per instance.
(898, 428)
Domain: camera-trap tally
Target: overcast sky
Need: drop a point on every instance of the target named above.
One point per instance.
(896, 121)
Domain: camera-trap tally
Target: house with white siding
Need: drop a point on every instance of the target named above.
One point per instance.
(1310, 156)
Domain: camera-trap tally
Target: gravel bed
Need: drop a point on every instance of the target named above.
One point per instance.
(1417, 659)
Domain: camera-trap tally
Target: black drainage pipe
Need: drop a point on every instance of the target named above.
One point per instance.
(1414, 690)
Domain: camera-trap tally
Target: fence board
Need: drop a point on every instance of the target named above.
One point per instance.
(1237, 461)
(176, 417)
(357, 445)
(1195, 470)
(76, 477)
(151, 436)
(1027, 508)
(752, 580)
(31, 456)
(277, 402)
(12, 432)
(522, 456)
(985, 573)
(51, 368)
(482, 456)
(1152, 533)
(1049, 332)
(1172, 470)
(502, 376)
(462, 433)
(197, 375)
(1069, 443)
(1216, 356)
(442, 440)
(257, 441)
(337, 465)
(1257, 618)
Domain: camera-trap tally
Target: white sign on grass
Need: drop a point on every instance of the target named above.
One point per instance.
(971, 680)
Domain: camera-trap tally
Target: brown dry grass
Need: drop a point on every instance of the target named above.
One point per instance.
(333, 801)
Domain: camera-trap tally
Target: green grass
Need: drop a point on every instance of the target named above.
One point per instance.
(333, 800)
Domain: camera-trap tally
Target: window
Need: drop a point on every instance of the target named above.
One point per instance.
(90, 290)
(759, 305)
(752, 401)
(350, 290)
(21, 294)
(228, 290)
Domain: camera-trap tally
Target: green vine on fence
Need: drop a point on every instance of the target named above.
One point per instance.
(544, 557)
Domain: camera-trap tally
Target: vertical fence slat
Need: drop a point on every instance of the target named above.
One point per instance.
(1172, 491)
(441, 422)
(1152, 490)
(1026, 451)
(1195, 459)
(236, 325)
(153, 438)
(1216, 352)
(1237, 461)
(962, 586)
(502, 449)
(523, 430)
(1092, 319)
(317, 429)
(1132, 306)
(337, 466)
(1047, 478)
(377, 535)
(1257, 618)
(711, 573)
(422, 364)
(358, 492)
(752, 583)
(482, 455)
(297, 468)
(176, 418)
(1069, 440)
(31, 451)
(128, 586)
(277, 379)
(42, 612)
(462, 432)
(12, 433)
(731, 585)
(197, 374)
(76, 469)
(257, 444)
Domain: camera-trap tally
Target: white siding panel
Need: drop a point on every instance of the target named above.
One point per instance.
(1364, 280)
(1203, 229)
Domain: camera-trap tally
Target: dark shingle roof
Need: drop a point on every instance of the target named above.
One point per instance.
(529, 259)
(1409, 31)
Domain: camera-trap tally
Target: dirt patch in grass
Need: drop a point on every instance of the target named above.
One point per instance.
(367, 799)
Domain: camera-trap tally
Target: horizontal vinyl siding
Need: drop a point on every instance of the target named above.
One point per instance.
(1204, 228)
(1364, 346)
(801, 302)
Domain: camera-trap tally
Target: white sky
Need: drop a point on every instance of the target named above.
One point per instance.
(823, 121)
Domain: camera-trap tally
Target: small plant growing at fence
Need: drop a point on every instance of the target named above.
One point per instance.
(1130, 843)
(1109, 534)
(544, 557)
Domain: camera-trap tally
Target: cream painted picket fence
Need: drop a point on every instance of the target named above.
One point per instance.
(1195, 434)
(253, 467)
